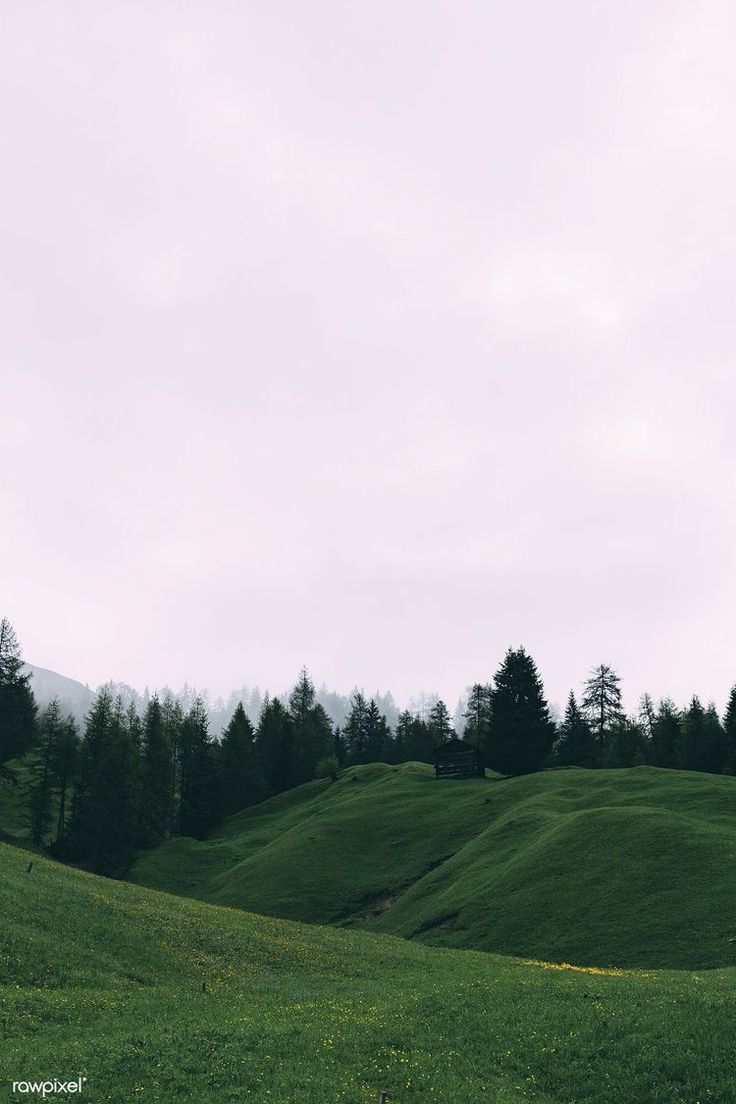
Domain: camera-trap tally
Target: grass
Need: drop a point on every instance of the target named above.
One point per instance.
(632, 868)
(158, 998)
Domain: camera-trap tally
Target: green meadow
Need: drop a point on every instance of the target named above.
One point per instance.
(563, 938)
(607, 867)
(153, 997)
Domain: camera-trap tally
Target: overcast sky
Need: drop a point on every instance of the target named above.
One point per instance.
(372, 336)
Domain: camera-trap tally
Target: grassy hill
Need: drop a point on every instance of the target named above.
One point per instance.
(629, 867)
(157, 998)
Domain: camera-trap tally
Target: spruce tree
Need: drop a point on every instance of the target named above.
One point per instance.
(521, 731)
(17, 704)
(105, 809)
(478, 715)
(729, 734)
(414, 737)
(626, 744)
(172, 716)
(377, 735)
(301, 698)
(312, 730)
(576, 745)
(275, 743)
(439, 723)
(200, 792)
(667, 737)
(339, 748)
(157, 776)
(354, 729)
(65, 754)
(602, 703)
(704, 741)
(42, 785)
(241, 777)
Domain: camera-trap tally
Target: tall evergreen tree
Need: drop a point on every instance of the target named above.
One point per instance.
(439, 723)
(647, 715)
(702, 738)
(200, 792)
(157, 776)
(626, 744)
(312, 730)
(667, 739)
(521, 732)
(42, 784)
(301, 698)
(64, 756)
(414, 741)
(241, 777)
(729, 734)
(275, 743)
(602, 703)
(339, 747)
(172, 716)
(377, 735)
(17, 704)
(576, 745)
(354, 729)
(105, 813)
(478, 715)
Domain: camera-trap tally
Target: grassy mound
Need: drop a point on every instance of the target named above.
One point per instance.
(157, 998)
(630, 867)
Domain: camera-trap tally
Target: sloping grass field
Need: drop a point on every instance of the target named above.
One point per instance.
(632, 868)
(157, 998)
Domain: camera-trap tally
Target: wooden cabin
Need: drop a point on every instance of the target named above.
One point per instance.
(458, 759)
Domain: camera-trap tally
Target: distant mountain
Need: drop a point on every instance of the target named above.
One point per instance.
(74, 697)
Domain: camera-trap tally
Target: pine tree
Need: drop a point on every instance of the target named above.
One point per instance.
(42, 784)
(312, 730)
(478, 715)
(576, 745)
(157, 773)
(729, 734)
(65, 753)
(105, 812)
(200, 794)
(716, 760)
(354, 729)
(439, 723)
(626, 744)
(693, 730)
(521, 731)
(17, 704)
(301, 698)
(377, 735)
(602, 703)
(241, 777)
(667, 738)
(172, 716)
(413, 741)
(647, 715)
(275, 743)
(339, 748)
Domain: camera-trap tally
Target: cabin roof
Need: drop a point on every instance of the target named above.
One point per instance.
(454, 742)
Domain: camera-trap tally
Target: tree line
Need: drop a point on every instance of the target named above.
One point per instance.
(133, 778)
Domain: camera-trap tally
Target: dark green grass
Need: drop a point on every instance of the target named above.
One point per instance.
(14, 798)
(629, 867)
(157, 998)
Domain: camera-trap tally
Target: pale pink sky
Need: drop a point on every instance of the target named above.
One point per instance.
(376, 337)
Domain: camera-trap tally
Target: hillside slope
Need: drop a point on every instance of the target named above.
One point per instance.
(156, 998)
(629, 867)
